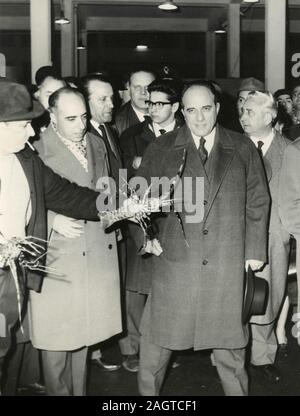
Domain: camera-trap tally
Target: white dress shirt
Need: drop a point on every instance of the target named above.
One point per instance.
(139, 114)
(15, 202)
(267, 140)
(209, 140)
(157, 128)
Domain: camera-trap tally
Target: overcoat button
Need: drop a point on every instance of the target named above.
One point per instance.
(110, 246)
(83, 253)
(205, 232)
(204, 262)
(204, 202)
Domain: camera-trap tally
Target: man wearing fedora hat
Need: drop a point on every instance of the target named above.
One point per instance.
(28, 189)
(258, 113)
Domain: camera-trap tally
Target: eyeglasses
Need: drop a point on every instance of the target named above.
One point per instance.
(158, 104)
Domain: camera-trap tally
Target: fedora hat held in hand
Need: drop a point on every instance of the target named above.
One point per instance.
(255, 296)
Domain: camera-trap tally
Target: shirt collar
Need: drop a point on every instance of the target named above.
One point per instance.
(96, 125)
(209, 140)
(139, 114)
(157, 128)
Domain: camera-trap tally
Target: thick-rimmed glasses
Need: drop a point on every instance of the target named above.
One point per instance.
(158, 104)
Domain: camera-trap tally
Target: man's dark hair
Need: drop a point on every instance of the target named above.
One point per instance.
(170, 87)
(203, 83)
(85, 82)
(282, 91)
(72, 80)
(53, 99)
(44, 72)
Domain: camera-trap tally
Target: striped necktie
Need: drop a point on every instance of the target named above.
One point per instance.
(202, 150)
(259, 148)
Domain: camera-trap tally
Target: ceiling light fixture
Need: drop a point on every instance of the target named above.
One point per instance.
(250, 1)
(80, 46)
(220, 31)
(221, 28)
(62, 20)
(141, 48)
(167, 5)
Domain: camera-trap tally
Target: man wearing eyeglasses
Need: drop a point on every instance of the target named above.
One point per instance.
(163, 117)
(163, 106)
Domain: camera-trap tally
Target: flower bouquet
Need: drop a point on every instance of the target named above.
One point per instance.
(24, 252)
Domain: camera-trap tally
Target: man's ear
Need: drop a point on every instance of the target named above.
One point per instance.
(36, 94)
(175, 107)
(268, 119)
(53, 117)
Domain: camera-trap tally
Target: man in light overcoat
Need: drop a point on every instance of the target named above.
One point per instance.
(257, 117)
(82, 308)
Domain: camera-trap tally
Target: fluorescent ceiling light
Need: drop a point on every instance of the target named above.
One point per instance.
(141, 47)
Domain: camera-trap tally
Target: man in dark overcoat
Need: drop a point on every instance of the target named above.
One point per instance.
(196, 297)
(163, 117)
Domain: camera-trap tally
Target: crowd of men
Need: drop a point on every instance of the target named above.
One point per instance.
(59, 142)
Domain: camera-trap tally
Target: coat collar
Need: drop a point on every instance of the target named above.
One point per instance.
(274, 154)
(222, 154)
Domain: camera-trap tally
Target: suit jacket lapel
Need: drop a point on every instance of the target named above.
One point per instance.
(57, 153)
(193, 166)
(222, 155)
(274, 155)
(97, 160)
(131, 115)
(148, 134)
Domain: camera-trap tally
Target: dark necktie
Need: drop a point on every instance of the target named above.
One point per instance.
(202, 150)
(259, 148)
(162, 131)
